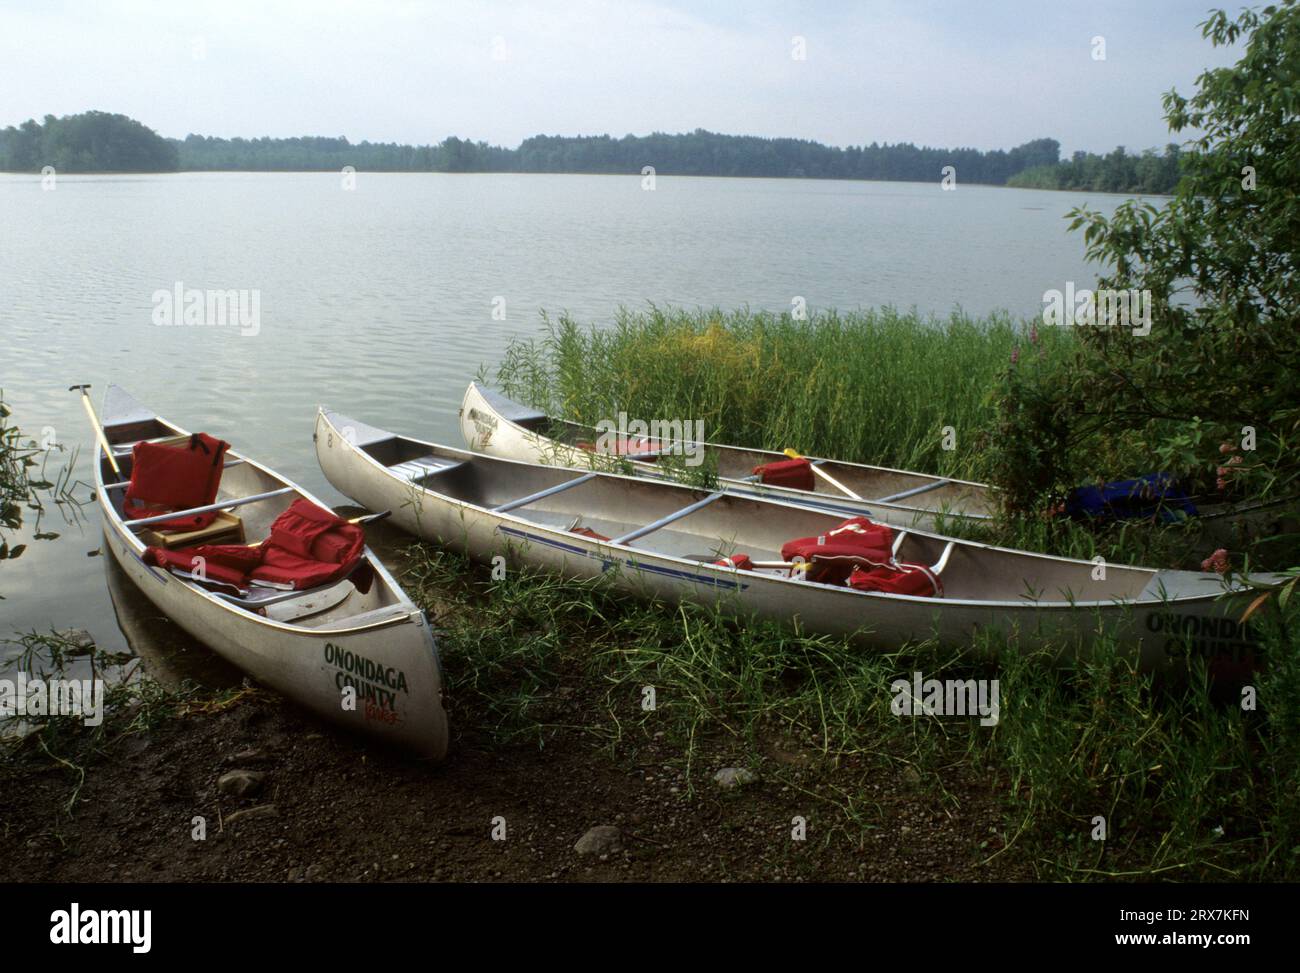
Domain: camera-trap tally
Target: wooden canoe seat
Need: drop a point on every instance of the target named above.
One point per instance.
(227, 528)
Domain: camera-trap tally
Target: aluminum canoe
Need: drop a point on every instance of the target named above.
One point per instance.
(493, 424)
(664, 536)
(307, 646)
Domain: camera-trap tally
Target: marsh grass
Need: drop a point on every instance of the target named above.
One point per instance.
(879, 383)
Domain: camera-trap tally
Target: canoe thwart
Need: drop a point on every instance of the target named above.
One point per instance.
(938, 566)
(915, 491)
(542, 494)
(209, 508)
(665, 521)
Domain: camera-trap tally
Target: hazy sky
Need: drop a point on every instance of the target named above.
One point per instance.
(982, 73)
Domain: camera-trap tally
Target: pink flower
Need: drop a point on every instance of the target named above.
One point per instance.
(1033, 335)
(1226, 447)
(1217, 562)
(1015, 354)
(1221, 483)
(1234, 461)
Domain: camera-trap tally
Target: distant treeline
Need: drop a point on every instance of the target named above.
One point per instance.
(1116, 172)
(93, 141)
(100, 142)
(698, 153)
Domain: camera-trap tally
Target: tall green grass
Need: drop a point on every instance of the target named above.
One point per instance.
(1190, 785)
(873, 386)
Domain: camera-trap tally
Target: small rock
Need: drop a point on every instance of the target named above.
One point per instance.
(241, 783)
(911, 774)
(251, 813)
(313, 872)
(295, 874)
(600, 840)
(729, 778)
(253, 755)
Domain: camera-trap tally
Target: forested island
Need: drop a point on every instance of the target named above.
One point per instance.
(97, 141)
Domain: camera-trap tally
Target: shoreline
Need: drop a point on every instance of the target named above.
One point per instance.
(622, 175)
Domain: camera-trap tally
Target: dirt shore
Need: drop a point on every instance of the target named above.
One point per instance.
(346, 811)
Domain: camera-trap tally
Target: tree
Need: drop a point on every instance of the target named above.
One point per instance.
(1210, 391)
(93, 141)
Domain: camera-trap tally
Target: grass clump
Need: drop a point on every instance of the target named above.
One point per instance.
(885, 386)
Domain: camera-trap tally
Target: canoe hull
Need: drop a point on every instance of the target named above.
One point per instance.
(1150, 631)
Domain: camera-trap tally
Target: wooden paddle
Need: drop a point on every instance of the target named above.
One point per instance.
(99, 427)
(794, 454)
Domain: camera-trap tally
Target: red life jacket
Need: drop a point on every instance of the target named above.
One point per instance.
(308, 547)
(166, 478)
(224, 563)
(794, 473)
(856, 542)
(898, 579)
(742, 562)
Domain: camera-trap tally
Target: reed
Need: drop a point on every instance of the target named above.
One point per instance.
(903, 389)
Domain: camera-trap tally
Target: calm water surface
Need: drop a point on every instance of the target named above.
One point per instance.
(378, 301)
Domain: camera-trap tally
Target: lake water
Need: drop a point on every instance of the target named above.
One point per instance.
(379, 300)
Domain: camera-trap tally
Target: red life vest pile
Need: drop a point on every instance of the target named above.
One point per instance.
(308, 547)
(856, 554)
(166, 478)
(859, 553)
(794, 473)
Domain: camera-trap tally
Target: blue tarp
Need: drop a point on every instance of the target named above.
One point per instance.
(1154, 495)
